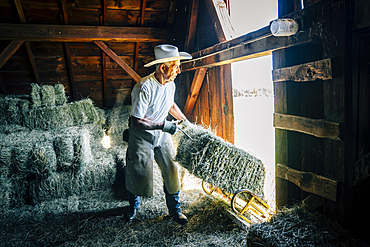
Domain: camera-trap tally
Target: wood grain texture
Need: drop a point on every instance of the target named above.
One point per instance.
(76, 33)
(305, 72)
(309, 181)
(316, 127)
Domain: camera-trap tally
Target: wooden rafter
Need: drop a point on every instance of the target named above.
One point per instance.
(103, 22)
(75, 33)
(118, 60)
(18, 5)
(22, 19)
(194, 90)
(64, 17)
(171, 13)
(192, 25)
(32, 61)
(9, 51)
(218, 12)
(4, 57)
(140, 23)
(2, 86)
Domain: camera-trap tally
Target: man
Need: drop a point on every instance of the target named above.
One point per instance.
(150, 133)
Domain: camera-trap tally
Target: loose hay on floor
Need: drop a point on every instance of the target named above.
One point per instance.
(296, 227)
(218, 162)
(96, 219)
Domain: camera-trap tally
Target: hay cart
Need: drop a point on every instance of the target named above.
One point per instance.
(246, 207)
(236, 175)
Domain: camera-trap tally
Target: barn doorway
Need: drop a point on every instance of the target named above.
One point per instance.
(253, 115)
(253, 91)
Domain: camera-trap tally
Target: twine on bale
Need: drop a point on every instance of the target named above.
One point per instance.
(218, 162)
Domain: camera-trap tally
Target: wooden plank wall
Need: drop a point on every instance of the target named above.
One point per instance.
(317, 99)
(359, 113)
(214, 105)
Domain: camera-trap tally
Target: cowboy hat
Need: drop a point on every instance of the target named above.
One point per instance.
(167, 53)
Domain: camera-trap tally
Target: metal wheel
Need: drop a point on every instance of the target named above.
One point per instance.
(247, 205)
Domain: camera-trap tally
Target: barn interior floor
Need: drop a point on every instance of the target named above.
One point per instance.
(96, 219)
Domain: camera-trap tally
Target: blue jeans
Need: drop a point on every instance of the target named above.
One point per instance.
(172, 201)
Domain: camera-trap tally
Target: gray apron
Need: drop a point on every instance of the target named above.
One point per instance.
(139, 161)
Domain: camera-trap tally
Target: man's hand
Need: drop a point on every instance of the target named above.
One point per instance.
(170, 126)
(186, 123)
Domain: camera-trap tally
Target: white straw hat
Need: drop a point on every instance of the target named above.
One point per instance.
(167, 53)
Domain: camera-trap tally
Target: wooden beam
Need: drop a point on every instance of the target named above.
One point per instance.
(64, 19)
(74, 33)
(32, 61)
(103, 22)
(171, 13)
(309, 182)
(221, 20)
(22, 19)
(259, 43)
(70, 71)
(18, 5)
(361, 169)
(316, 127)
(246, 50)
(140, 23)
(118, 60)
(104, 14)
(64, 15)
(192, 25)
(194, 90)
(9, 51)
(2, 86)
(305, 72)
(212, 10)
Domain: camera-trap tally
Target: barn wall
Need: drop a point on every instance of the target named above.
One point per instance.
(86, 59)
(340, 100)
(214, 105)
(359, 111)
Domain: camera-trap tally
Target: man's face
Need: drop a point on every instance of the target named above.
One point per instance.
(171, 71)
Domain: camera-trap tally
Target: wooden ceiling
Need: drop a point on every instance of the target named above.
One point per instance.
(95, 48)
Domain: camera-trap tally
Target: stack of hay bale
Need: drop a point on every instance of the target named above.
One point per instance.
(50, 148)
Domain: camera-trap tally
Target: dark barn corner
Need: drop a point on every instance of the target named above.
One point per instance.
(67, 70)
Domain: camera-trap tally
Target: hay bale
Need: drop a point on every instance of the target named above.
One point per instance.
(60, 94)
(67, 115)
(56, 185)
(117, 122)
(82, 149)
(35, 95)
(64, 150)
(12, 128)
(43, 160)
(47, 95)
(18, 193)
(20, 159)
(218, 162)
(5, 185)
(13, 110)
